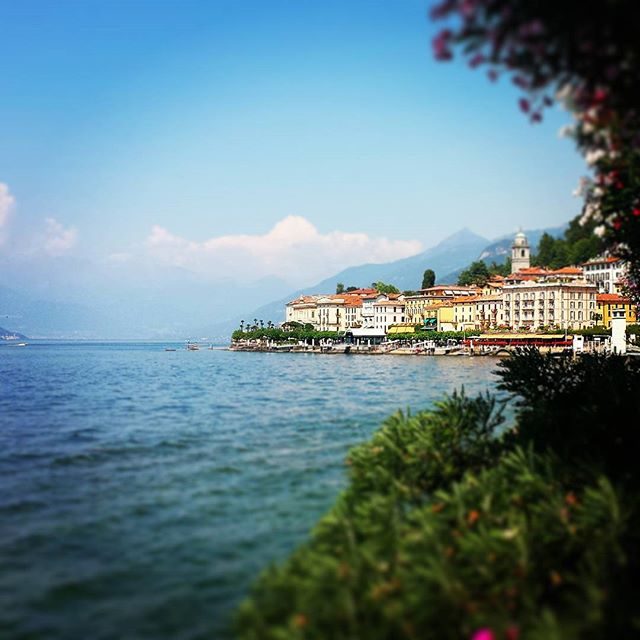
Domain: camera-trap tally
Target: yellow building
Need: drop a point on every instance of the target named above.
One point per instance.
(465, 313)
(607, 302)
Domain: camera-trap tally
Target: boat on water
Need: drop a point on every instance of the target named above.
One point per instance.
(192, 346)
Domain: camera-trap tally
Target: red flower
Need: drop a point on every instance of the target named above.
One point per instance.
(524, 105)
(636, 212)
(600, 95)
(617, 224)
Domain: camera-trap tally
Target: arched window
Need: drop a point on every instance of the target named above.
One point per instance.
(522, 252)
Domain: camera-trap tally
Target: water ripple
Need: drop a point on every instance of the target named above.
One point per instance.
(142, 490)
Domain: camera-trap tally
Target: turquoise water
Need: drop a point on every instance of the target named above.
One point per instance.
(142, 490)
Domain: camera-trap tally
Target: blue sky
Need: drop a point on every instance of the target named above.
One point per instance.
(143, 129)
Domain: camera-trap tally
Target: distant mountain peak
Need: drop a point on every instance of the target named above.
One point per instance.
(461, 238)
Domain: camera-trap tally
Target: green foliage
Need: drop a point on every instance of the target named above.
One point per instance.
(476, 273)
(383, 287)
(306, 332)
(578, 245)
(452, 522)
(496, 269)
(428, 278)
(340, 287)
(583, 409)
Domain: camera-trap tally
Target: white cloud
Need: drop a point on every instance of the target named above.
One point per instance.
(293, 249)
(6, 205)
(57, 239)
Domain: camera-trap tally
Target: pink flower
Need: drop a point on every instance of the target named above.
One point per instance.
(483, 634)
(442, 9)
(477, 60)
(441, 45)
(636, 212)
(524, 105)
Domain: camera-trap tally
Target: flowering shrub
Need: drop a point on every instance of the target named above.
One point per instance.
(455, 528)
(585, 54)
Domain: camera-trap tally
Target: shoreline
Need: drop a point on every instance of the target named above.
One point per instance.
(371, 351)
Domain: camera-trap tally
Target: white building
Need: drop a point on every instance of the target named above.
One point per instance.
(388, 312)
(489, 311)
(303, 310)
(339, 312)
(568, 304)
(606, 272)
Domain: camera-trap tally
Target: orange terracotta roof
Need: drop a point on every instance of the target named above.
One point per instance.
(362, 292)
(389, 303)
(611, 298)
(568, 271)
(464, 299)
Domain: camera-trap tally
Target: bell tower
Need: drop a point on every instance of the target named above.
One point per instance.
(520, 253)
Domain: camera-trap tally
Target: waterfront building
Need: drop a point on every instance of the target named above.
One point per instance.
(520, 253)
(338, 312)
(352, 312)
(303, 309)
(489, 311)
(608, 273)
(388, 312)
(419, 307)
(368, 311)
(607, 303)
(565, 303)
(464, 313)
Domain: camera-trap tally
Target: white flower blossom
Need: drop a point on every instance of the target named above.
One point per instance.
(598, 192)
(564, 93)
(587, 127)
(566, 131)
(582, 187)
(595, 156)
(599, 230)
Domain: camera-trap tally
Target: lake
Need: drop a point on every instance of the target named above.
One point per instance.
(142, 490)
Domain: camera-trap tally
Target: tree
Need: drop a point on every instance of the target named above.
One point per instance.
(585, 54)
(382, 287)
(546, 250)
(340, 287)
(351, 289)
(477, 273)
(428, 278)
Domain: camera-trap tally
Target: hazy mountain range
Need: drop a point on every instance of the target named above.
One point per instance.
(447, 259)
(179, 305)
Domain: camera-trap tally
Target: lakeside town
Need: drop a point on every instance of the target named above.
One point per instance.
(531, 306)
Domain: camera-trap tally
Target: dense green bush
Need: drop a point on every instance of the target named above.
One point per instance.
(453, 522)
